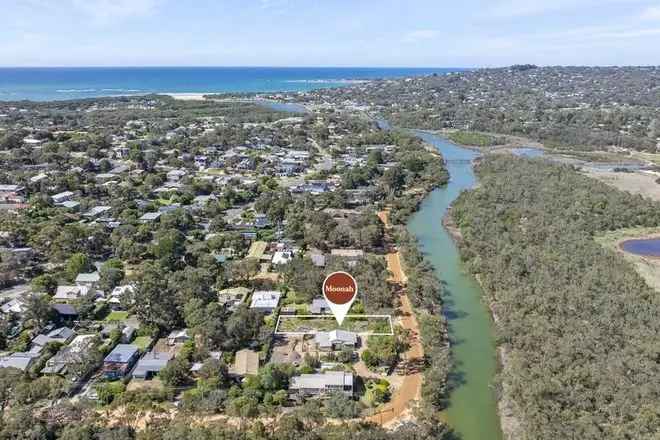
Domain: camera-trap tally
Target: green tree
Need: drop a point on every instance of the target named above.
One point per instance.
(38, 310)
(76, 264)
(176, 373)
(151, 300)
(111, 274)
(44, 283)
(339, 406)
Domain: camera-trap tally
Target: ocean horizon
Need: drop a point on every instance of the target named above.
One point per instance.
(66, 83)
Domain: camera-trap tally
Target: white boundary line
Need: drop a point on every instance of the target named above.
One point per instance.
(313, 332)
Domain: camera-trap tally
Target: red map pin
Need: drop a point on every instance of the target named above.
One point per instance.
(339, 291)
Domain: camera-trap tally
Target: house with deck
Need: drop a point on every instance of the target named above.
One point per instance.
(119, 361)
(322, 383)
(335, 340)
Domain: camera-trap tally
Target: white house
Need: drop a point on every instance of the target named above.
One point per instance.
(317, 384)
(335, 339)
(178, 336)
(265, 300)
(88, 279)
(68, 293)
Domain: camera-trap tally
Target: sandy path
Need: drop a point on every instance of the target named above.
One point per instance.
(400, 406)
(384, 217)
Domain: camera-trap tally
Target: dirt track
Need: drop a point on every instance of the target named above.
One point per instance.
(400, 406)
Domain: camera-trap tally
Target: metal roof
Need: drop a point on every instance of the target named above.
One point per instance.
(322, 381)
(122, 353)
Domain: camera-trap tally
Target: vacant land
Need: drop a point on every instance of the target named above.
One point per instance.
(635, 183)
(355, 323)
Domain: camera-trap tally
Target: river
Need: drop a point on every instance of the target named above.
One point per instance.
(472, 411)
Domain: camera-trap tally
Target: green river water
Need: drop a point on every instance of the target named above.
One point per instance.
(472, 411)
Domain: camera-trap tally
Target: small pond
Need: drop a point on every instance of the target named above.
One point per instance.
(647, 247)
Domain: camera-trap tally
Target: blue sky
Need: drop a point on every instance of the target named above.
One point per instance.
(432, 33)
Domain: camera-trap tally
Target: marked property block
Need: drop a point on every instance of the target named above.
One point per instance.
(364, 325)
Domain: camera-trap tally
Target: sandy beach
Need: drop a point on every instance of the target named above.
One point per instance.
(188, 96)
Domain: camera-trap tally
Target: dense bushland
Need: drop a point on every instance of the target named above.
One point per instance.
(580, 325)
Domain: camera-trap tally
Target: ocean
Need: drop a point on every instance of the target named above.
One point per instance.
(62, 83)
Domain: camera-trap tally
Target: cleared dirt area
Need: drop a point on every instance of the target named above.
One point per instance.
(635, 183)
(399, 408)
(410, 390)
(394, 266)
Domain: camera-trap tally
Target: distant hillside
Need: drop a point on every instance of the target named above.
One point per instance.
(587, 108)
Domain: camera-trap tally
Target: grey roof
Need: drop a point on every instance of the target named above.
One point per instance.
(62, 195)
(176, 334)
(65, 309)
(122, 353)
(318, 260)
(152, 362)
(97, 210)
(15, 305)
(41, 340)
(318, 305)
(322, 381)
(70, 204)
(91, 277)
(21, 360)
(327, 339)
(61, 333)
(265, 299)
(56, 368)
(70, 292)
(150, 216)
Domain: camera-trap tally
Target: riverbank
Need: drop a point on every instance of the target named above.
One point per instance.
(451, 227)
(472, 409)
(509, 420)
(401, 405)
(511, 141)
(556, 319)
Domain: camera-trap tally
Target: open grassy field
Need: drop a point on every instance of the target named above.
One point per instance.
(257, 249)
(142, 342)
(116, 316)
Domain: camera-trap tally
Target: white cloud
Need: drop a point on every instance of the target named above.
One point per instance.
(525, 8)
(519, 8)
(651, 13)
(273, 4)
(420, 35)
(114, 9)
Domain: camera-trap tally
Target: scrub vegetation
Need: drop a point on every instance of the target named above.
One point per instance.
(579, 324)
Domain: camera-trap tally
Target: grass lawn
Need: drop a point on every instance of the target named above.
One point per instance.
(311, 325)
(116, 316)
(142, 342)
